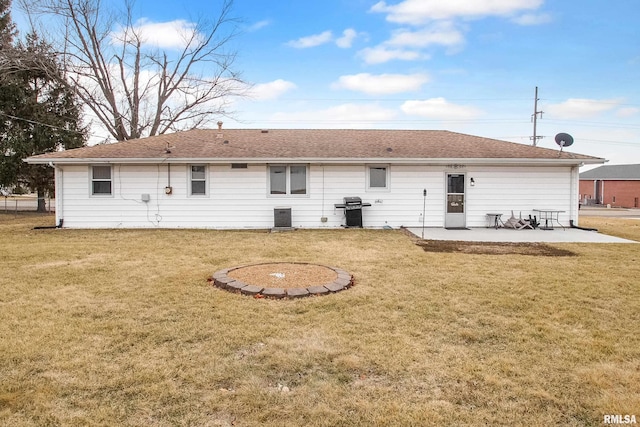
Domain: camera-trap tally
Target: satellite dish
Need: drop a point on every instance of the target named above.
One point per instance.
(564, 140)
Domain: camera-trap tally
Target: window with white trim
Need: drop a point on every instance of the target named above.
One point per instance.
(377, 177)
(288, 180)
(101, 180)
(198, 180)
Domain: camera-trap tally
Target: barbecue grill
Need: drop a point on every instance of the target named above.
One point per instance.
(352, 210)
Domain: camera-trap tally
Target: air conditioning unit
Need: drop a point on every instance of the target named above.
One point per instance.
(282, 217)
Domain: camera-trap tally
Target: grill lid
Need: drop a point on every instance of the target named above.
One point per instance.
(352, 200)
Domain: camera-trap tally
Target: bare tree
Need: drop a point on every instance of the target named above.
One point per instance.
(133, 88)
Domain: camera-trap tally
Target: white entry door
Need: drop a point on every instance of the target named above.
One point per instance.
(455, 214)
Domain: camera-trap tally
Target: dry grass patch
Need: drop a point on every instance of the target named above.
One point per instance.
(620, 227)
(121, 327)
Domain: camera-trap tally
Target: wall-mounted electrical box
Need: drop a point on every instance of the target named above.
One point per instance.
(145, 197)
(168, 189)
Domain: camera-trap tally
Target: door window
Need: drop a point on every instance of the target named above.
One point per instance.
(455, 184)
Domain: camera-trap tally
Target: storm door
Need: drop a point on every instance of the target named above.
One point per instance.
(455, 214)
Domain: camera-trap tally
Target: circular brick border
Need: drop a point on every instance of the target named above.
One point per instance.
(221, 279)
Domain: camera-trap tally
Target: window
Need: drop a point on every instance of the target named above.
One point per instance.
(291, 180)
(455, 183)
(198, 180)
(298, 178)
(101, 180)
(378, 178)
(278, 179)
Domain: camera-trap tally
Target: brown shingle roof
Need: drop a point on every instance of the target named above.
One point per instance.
(312, 144)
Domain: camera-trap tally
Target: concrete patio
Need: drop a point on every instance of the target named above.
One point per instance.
(557, 235)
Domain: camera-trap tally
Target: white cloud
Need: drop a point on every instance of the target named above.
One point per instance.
(167, 35)
(420, 11)
(442, 33)
(344, 42)
(258, 25)
(381, 84)
(348, 36)
(381, 54)
(580, 108)
(440, 109)
(311, 41)
(627, 112)
(271, 90)
(533, 19)
(347, 115)
(406, 44)
(438, 23)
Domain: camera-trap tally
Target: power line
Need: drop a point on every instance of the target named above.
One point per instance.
(406, 121)
(594, 101)
(595, 124)
(383, 121)
(591, 101)
(34, 122)
(637, 144)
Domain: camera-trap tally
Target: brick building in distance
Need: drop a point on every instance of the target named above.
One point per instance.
(615, 185)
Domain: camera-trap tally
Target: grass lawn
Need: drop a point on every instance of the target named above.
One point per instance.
(121, 327)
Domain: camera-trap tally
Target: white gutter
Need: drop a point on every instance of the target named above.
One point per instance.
(322, 160)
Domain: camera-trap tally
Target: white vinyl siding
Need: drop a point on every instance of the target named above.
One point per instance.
(506, 189)
(240, 198)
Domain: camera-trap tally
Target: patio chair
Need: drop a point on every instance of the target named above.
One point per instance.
(517, 223)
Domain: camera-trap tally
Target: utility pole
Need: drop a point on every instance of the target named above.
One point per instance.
(534, 117)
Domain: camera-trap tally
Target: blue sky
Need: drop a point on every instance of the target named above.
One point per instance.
(465, 66)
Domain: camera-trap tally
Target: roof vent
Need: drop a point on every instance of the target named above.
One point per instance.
(264, 131)
(389, 149)
(220, 125)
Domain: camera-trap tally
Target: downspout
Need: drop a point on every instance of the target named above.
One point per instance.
(323, 219)
(59, 197)
(575, 179)
(322, 192)
(573, 193)
(572, 225)
(59, 181)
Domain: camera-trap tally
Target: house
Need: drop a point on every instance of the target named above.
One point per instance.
(244, 178)
(615, 185)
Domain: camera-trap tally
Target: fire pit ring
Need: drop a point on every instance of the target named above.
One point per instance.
(283, 280)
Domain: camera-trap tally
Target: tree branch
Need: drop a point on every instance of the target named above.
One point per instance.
(134, 89)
